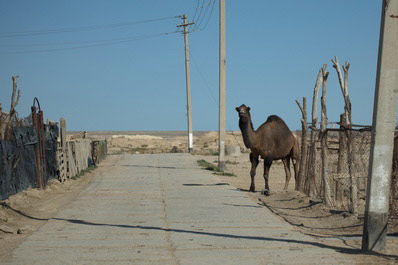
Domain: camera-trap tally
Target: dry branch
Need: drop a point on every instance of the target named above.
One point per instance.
(344, 87)
(336, 66)
(315, 100)
(14, 102)
(7, 119)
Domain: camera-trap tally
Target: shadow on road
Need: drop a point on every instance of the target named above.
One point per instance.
(351, 251)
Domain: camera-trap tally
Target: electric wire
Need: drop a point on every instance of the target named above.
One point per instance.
(194, 15)
(86, 28)
(80, 42)
(200, 14)
(208, 18)
(200, 22)
(203, 78)
(106, 42)
(212, 96)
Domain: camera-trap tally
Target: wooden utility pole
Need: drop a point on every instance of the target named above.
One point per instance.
(222, 96)
(188, 82)
(379, 178)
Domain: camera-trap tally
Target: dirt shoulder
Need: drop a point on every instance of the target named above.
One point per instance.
(27, 211)
(337, 228)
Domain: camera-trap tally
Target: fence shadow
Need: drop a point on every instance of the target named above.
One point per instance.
(344, 250)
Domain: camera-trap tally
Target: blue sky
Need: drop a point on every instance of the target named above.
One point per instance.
(274, 52)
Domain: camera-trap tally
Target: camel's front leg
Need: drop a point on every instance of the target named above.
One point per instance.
(267, 166)
(254, 161)
(286, 164)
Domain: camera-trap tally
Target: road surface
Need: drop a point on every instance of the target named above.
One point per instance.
(164, 209)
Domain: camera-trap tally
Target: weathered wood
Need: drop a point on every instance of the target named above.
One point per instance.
(312, 192)
(300, 185)
(14, 102)
(344, 87)
(324, 144)
(347, 112)
(7, 119)
(315, 99)
(353, 179)
(62, 154)
(342, 153)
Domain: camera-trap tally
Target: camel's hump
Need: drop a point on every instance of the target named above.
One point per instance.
(272, 118)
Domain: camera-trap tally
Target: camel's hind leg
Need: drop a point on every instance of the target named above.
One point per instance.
(296, 170)
(286, 164)
(294, 155)
(254, 161)
(267, 167)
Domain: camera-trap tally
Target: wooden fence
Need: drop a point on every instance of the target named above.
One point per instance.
(77, 155)
(31, 153)
(334, 161)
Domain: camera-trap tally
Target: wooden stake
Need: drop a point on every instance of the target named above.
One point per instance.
(303, 159)
(347, 112)
(324, 144)
(312, 159)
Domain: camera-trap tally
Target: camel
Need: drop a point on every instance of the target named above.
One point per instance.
(272, 141)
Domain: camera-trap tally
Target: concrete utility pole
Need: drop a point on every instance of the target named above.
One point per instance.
(222, 116)
(379, 179)
(188, 82)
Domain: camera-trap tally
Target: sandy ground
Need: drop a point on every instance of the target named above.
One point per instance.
(309, 217)
(26, 212)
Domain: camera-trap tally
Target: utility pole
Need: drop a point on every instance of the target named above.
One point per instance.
(379, 178)
(188, 82)
(222, 95)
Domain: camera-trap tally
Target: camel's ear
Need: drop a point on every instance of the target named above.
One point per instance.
(237, 109)
(248, 108)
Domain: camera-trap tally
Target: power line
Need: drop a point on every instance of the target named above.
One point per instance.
(194, 15)
(203, 17)
(197, 28)
(200, 14)
(203, 78)
(85, 28)
(80, 42)
(121, 40)
(211, 94)
(208, 18)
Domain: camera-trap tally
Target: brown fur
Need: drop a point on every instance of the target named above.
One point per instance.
(272, 141)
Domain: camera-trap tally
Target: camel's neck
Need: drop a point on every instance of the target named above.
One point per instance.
(248, 134)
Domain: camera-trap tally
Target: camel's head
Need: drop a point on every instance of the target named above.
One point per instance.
(243, 111)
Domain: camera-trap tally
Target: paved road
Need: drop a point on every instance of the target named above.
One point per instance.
(163, 209)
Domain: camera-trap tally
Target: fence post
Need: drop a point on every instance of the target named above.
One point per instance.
(342, 153)
(324, 144)
(312, 192)
(64, 156)
(303, 159)
(348, 131)
(35, 120)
